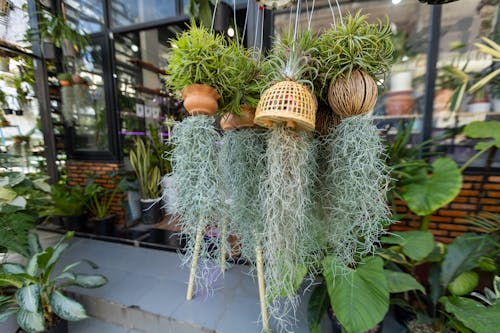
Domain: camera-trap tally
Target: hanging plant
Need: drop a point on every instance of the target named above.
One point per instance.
(353, 53)
(291, 66)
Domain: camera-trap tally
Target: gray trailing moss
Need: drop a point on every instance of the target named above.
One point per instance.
(195, 177)
(355, 185)
(286, 205)
(241, 164)
(68, 101)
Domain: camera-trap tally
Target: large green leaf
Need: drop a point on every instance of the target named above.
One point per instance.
(66, 308)
(28, 297)
(9, 280)
(13, 268)
(474, 315)
(58, 250)
(90, 281)
(7, 194)
(426, 193)
(32, 266)
(360, 297)
(484, 130)
(463, 255)
(34, 244)
(399, 282)
(31, 321)
(415, 244)
(317, 307)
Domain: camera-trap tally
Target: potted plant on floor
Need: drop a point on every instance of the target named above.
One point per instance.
(69, 204)
(39, 302)
(148, 176)
(100, 207)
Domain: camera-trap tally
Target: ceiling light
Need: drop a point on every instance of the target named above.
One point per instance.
(134, 48)
(230, 32)
(395, 2)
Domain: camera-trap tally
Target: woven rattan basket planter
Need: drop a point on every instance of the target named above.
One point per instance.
(200, 99)
(352, 96)
(287, 102)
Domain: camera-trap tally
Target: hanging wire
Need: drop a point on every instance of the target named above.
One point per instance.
(297, 13)
(333, 13)
(340, 12)
(310, 17)
(213, 15)
(307, 8)
(235, 25)
(245, 25)
(290, 21)
(262, 29)
(256, 29)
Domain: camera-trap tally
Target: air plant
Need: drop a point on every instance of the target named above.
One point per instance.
(356, 181)
(286, 205)
(194, 171)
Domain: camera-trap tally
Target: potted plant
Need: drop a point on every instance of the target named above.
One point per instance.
(100, 207)
(69, 203)
(353, 53)
(65, 79)
(479, 102)
(195, 61)
(39, 302)
(148, 177)
(289, 69)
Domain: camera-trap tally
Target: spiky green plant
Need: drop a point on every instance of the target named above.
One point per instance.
(294, 60)
(355, 44)
(148, 175)
(196, 183)
(241, 165)
(286, 205)
(355, 181)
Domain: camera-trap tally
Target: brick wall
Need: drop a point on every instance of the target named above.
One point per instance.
(480, 193)
(78, 172)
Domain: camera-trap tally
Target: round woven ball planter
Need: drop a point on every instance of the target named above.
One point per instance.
(354, 95)
(245, 120)
(200, 99)
(287, 102)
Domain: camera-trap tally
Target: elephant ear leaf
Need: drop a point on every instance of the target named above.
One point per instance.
(31, 321)
(28, 297)
(317, 307)
(66, 308)
(474, 315)
(424, 195)
(484, 130)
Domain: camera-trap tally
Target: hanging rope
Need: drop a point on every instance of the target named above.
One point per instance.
(340, 12)
(297, 13)
(333, 13)
(235, 25)
(213, 15)
(311, 16)
(262, 29)
(245, 25)
(256, 29)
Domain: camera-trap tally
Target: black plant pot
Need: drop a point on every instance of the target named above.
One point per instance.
(19, 112)
(104, 226)
(8, 111)
(151, 212)
(61, 327)
(74, 223)
(166, 237)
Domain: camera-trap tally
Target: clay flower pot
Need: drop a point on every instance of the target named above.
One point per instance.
(200, 99)
(65, 83)
(245, 120)
(399, 103)
(353, 95)
(77, 79)
(442, 100)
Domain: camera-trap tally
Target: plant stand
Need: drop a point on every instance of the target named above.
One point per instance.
(194, 264)
(262, 289)
(223, 239)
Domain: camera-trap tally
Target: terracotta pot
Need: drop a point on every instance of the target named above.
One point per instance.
(77, 79)
(354, 95)
(200, 99)
(245, 120)
(399, 103)
(65, 83)
(442, 100)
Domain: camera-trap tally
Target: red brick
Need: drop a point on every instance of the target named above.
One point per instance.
(439, 232)
(466, 186)
(445, 240)
(494, 179)
(461, 199)
(492, 186)
(463, 206)
(468, 178)
(455, 233)
(473, 200)
(458, 213)
(454, 227)
(440, 219)
(489, 201)
(469, 193)
(493, 194)
(398, 227)
(492, 208)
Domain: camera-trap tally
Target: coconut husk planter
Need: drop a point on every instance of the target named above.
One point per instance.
(287, 102)
(245, 120)
(200, 99)
(353, 95)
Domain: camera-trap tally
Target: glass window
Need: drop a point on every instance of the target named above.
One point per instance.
(130, 12)
(88, 107)
(87, 16)
(143, 102)
(13, 22)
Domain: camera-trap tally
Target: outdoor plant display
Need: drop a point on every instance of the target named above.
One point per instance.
(100, 206)
(39, 302)
(69, 203)
(148, 176)
(352, 54)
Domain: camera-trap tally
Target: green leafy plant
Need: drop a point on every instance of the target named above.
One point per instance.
(65, 77)
(355, 44)
(39, 301)
(67, 201)
(148, 175)
(99, 199)
(162, 150)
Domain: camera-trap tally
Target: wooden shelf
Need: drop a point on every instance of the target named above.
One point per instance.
(147, 65)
